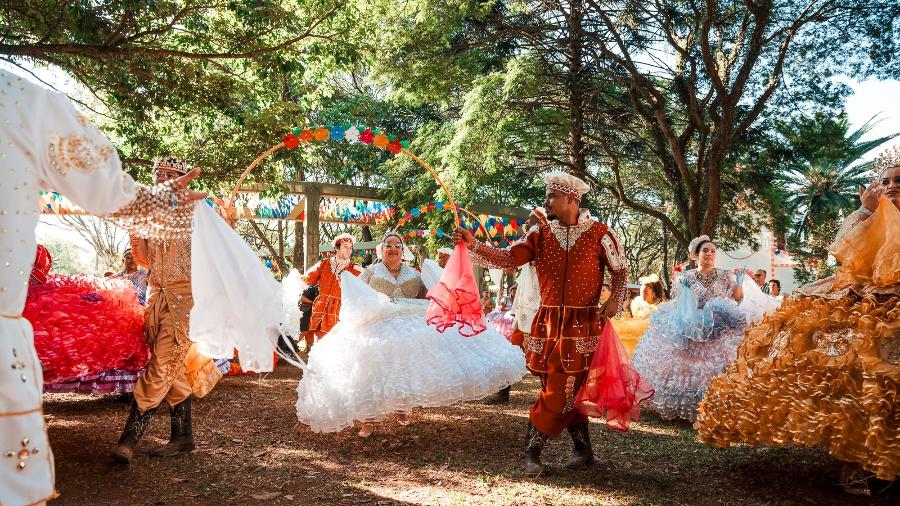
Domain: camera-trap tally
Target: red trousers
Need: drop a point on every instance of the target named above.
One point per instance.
(312, 336)
(554, 410)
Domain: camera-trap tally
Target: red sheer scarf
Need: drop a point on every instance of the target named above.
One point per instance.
(454, 299)
(613, 388)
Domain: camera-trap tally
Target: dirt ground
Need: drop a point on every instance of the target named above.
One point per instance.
(252, 451)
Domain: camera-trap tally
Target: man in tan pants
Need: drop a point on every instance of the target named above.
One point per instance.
(166, 377)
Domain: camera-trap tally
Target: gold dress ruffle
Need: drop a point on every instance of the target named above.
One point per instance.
(824, 369)
(630, 331)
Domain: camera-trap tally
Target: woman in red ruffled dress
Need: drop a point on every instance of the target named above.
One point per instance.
(88, 330)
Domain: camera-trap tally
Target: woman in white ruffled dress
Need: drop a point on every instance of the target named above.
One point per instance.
(383, 358)
(693, 337)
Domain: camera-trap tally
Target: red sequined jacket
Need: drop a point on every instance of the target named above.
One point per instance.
(570, 263)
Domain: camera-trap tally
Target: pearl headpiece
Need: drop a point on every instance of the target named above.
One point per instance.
(379, 249)
(171, 163)
(888, 159)
(695, 245)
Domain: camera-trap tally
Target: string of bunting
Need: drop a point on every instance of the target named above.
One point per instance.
(54, 203)
(495, 225)
(425, 232)
(359, 211)
(254, 207)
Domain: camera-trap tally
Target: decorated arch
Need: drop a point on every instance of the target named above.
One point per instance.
(351, 134)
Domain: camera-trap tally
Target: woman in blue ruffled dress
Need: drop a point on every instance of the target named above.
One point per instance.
(693, 337)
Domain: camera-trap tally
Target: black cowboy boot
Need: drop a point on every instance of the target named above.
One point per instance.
(501, 397)
(182, 438)
(534, 443)
(131, 434)
(582, 454)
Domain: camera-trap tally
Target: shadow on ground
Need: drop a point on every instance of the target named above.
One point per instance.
(252, 451)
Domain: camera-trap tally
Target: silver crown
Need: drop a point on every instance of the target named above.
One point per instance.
(171, 163)
(392, 233)
(889, 159)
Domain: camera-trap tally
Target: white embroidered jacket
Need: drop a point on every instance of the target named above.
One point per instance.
(44, 145)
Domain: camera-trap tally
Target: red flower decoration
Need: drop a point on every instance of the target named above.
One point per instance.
(367, 136)
(306, 135)
(291, 141)
(394, 147)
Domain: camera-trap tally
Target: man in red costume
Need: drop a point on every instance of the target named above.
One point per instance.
(570, 252)
(327, 274)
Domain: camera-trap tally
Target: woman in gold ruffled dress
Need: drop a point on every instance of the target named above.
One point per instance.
(824, 370)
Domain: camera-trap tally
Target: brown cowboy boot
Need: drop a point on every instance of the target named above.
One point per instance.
(582, 454)
(131, 434)
(182, 436)
(534, 443)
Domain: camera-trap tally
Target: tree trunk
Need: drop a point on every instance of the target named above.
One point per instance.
(298, 230)
(268, 244)
(297, 256)
(281, 242)
(576, 88)
(665, 251)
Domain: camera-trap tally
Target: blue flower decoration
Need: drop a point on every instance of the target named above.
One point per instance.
(337, 132)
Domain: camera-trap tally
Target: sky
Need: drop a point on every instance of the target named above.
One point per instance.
(869, 98)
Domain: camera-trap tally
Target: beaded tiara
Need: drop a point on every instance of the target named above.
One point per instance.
(171, 163)
(889, 159)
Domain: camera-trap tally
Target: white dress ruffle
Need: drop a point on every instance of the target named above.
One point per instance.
(689, 341)
(382, 357)
(237, 302)
(292, 287)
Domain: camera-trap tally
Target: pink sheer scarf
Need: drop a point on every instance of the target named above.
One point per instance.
(613, 386)
(454, 299)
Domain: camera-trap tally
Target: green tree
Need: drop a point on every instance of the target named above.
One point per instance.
(653, 100)
(820, 173)
(823, 170)
(213, 82)
(67, 258)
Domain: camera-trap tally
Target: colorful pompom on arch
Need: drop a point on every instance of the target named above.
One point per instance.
(346, 133)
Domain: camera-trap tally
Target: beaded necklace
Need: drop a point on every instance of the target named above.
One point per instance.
(707, 279)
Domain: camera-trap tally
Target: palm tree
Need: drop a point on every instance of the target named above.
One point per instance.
(824, 175)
